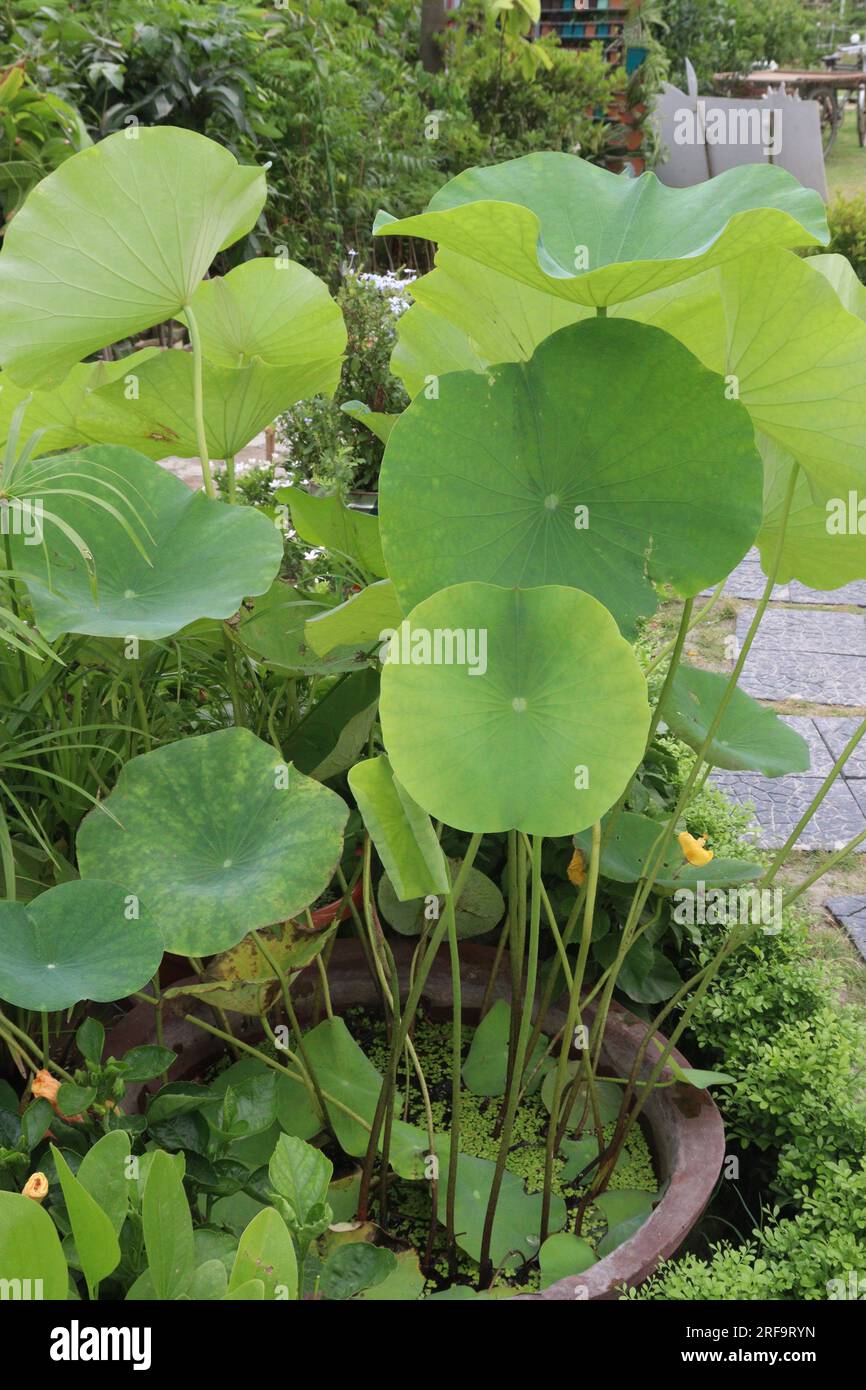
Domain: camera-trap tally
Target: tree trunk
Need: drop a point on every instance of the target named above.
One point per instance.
(432, 22)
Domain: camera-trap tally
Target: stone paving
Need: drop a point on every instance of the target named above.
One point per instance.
(816, 656)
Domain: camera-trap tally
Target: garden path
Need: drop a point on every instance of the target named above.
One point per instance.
(810, 653)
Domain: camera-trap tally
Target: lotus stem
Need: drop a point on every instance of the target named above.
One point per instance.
(572, 1017)
(485, 1265)
(198, 401)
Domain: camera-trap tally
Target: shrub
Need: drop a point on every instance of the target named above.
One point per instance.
(326, 446)
(847, 220)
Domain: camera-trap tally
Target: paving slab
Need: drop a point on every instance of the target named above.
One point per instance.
(748, 579)
(836, 734)
(818, 678)
(780, 802)
(820, 758)
(850, 912)
(823, 634)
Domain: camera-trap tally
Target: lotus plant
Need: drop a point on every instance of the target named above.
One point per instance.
(617, 390)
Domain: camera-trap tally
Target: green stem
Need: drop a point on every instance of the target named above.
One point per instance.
(484, 1261)
(303, 1060)
(198, 401)
(572, 1017)
(456, 1066)
(232, 670)
(401, 1033)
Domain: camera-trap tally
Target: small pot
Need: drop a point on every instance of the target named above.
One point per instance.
(686, 1131)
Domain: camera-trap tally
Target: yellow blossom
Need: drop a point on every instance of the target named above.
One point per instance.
(36, 1187)
(693, 849)
(577, 869)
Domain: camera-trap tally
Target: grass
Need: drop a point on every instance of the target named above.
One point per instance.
(846, 167)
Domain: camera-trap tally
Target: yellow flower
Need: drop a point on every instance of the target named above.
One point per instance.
(36, 1187)
(693, 849)
(577, 869)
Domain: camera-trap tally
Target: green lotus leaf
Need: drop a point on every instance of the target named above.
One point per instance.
(30, 1249)
(478, 909)
(563, 1255)
(823, 543)
(502, 319)
(273, 630)
(518, 1213)
(632, 844)
(799, 358)
(405, 840)
(626, 1211)
(216, 836)
(116, 240)
(540, 731)
(335, 731)
(561, 225)
(239, 402)
(428, 346)
(58, 411)
(345, 1072)
(519, 478)
(378, 422)
(80, 940)
(845, 281)
(200, 559)
(325, 521)
(581, 1116)
(278, 312)
(750, 737)
(358, 623)
(485, 1071)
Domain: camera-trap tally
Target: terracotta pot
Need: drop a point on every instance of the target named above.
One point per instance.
(686, 1132)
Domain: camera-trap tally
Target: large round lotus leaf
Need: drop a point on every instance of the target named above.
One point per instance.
(502, 320)
(200, 560)
(824, 543)
(216, 836)
(116, 240)
(845, 281)
(559, 224)
(278, 312)
(271, 335)
(537, 475)
(799, 358)
(537, 725)
(80, 940)
(750, 737)
(478, 910)
(631, 847)
(518, 1212)
(239, 402)
(30, 1249)
(57, 412)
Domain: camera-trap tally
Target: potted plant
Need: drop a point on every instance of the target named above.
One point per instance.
(596, 421)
